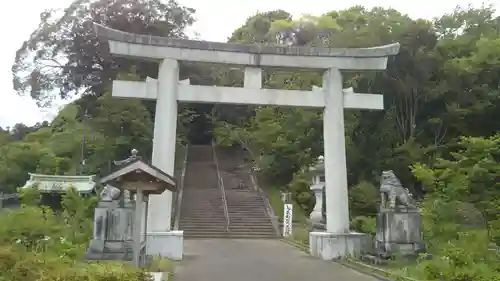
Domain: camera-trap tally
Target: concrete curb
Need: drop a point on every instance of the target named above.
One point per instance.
(350, 264)
(160, 276)
(364, 271)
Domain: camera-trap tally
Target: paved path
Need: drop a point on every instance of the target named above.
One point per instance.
(256, 260)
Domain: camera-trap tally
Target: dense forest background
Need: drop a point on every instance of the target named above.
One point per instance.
(438, 132)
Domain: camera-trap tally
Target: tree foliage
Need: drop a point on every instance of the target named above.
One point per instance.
(64, 54)
(436, 89)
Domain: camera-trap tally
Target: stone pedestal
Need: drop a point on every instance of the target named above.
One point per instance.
(113, 232)
(316, 215)
(399, 231)
(169, 244)
(330, 246)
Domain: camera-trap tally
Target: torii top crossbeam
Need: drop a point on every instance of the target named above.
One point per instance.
(157, 48)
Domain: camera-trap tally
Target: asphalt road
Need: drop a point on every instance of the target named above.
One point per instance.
(256, 260)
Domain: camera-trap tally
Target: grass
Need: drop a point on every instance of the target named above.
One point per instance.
(274, 195)
(300, 231)
(160, 264)
(376, 271)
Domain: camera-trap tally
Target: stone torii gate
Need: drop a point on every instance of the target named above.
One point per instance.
(167, 90)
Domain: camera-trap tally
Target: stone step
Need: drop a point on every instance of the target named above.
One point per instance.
(242, 204)
(212, 226)
(198, 218)
(204, 207)
(235, 225)
(204, 231)
(255, 235)
(252, 227)
(268, 232)
(206, 212)
(203, 224)
(250, 222)
(248, 215)
(223, 222)
(202, 194)
(245, 205)
(191, 216)
(247, 210)
(194, 191)
(205, 201)
(208, 209)
(201, 218)
(202, 211)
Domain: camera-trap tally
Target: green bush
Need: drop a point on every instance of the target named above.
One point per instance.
(364, 199)
(38, 244)
(364, 224)
(30, 196)
(18, 265)
(301, 192)
(460, 213)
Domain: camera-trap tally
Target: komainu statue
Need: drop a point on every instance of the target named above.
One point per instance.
(110, 193)
(392, 190)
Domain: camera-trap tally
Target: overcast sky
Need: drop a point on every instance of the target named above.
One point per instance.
(216, 19)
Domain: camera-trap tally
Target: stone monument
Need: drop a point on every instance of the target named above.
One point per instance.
(120, 224)
(398, 221)
(113, 227)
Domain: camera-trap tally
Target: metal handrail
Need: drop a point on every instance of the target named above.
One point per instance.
(220, 182)
(180, 191)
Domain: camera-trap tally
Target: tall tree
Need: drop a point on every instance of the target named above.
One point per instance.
(64, 54)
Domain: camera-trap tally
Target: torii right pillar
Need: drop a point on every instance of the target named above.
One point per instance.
(338, 241)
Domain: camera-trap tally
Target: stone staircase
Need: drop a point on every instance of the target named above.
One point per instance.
(202, 209)
(247, 210)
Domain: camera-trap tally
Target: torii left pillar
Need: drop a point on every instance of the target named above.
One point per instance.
(159, 234)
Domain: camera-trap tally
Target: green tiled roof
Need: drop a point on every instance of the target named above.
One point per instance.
(57, 183)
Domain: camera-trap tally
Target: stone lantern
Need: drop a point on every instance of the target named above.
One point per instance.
(317, 187)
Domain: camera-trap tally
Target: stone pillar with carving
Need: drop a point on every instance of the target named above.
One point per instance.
(317, 187)
(113, 225)
(113, 222)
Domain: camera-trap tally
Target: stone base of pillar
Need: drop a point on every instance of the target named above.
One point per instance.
(168, 244)
(330, 246)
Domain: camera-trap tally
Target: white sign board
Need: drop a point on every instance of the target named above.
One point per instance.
(287, 220)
